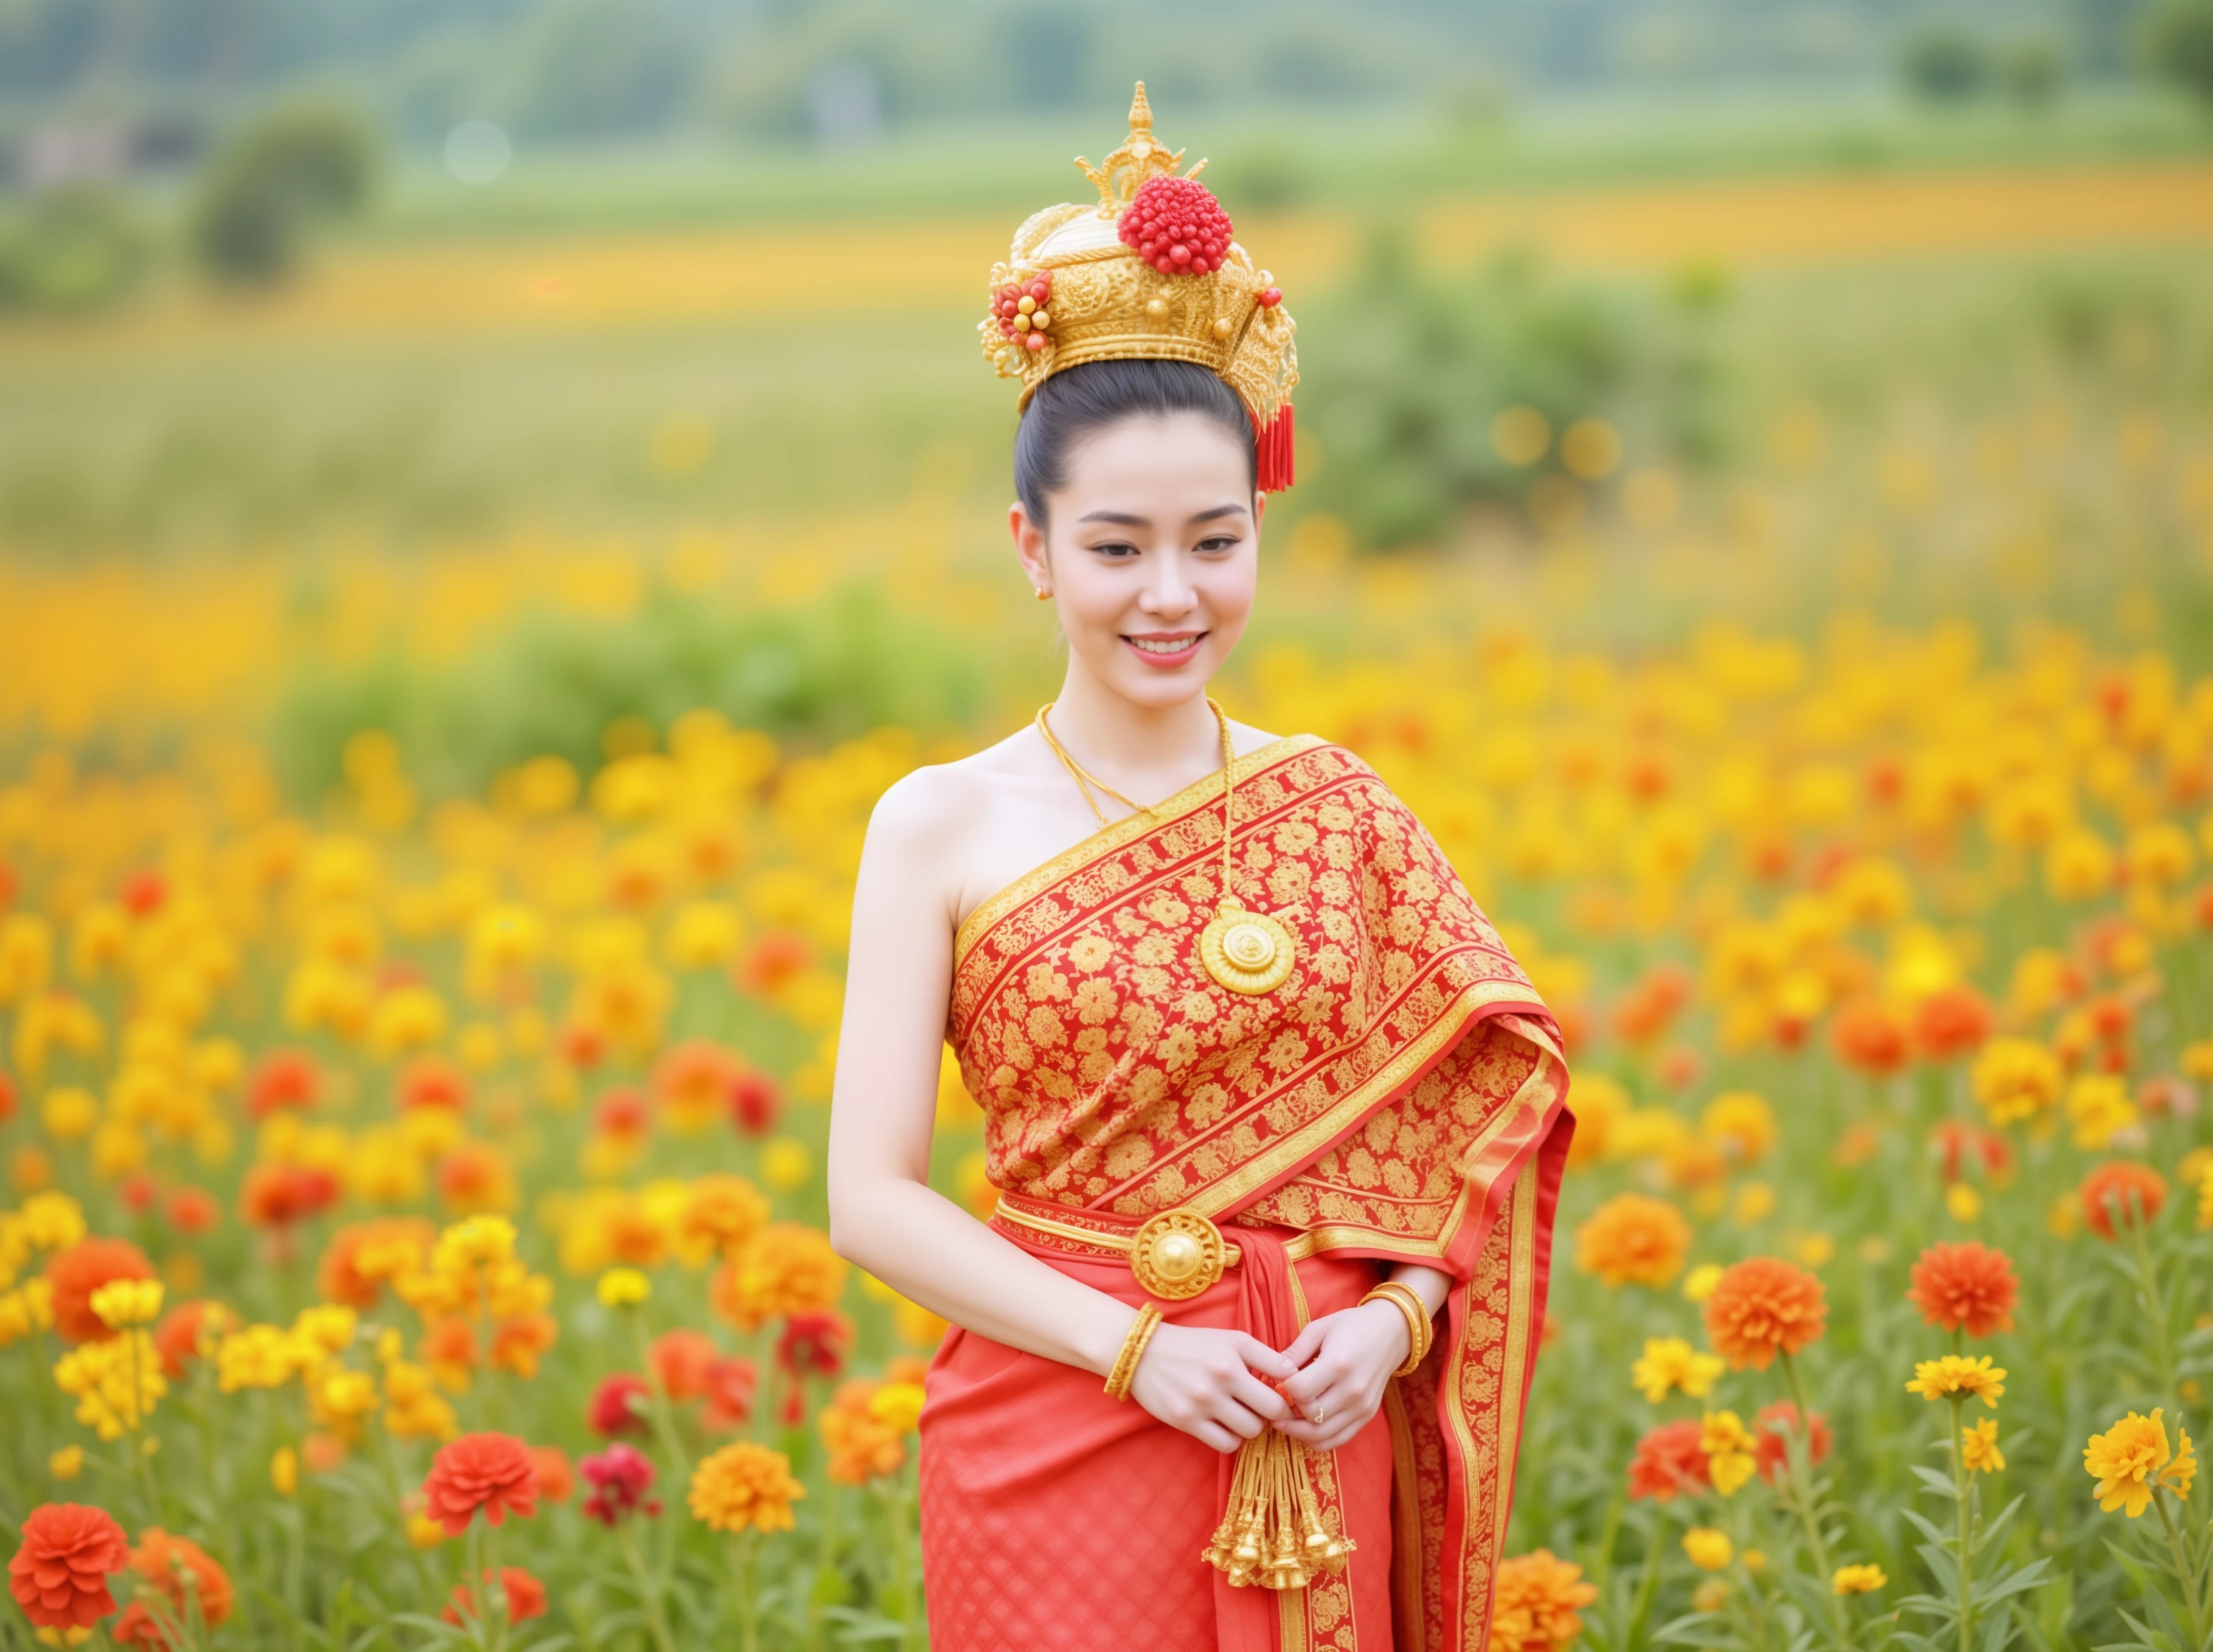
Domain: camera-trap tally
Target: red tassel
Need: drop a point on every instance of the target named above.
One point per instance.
(1273, 450)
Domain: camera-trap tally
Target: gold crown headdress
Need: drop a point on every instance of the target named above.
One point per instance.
(1149, 272)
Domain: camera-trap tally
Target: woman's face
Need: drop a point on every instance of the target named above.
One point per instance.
(1151, 551)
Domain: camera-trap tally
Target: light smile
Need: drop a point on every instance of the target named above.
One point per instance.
(1168, 651)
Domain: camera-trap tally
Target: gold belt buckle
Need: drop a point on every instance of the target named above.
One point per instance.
(1177, 1253)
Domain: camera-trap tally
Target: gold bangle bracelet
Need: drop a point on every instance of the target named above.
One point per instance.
(1419, 1329)
(1133, 1348)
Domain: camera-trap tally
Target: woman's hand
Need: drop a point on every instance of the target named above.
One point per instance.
(1344, 1359)
(1201, 1379)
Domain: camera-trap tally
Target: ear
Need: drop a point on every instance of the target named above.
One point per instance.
(1029, 547)
(1260, 512)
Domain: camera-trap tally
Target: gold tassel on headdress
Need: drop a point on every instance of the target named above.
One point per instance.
(1271, 1534)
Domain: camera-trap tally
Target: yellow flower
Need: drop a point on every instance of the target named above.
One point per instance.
(744, 1485)
(425, 1533)
(261, 1356)
(2015, 1079)
(1753, 1560)
(69, 1113)
(2130, 1458)
(1963, 1202)
(123, 1303)
(624, 1288)
(2178, 1474)
(787, 1164)
(1711, 1596)
(897, 1406)
(54, 1221)
(26, 1311)
(1710, 1550)
(1699, 1282)
(1979, 1447)
(1729, 1449)
(1670, 1363)
(67, 1463)
(285, 1470)
(2099, 1108)
(1857, 1580)
(324, 1328)
(478, 1242)
(1957, 1374)
(115, 1383)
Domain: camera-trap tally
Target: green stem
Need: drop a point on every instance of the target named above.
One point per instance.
(825, 1558)
(742, 1569)
(2183, 1570)
(1798, 1462)
(1645, 1586)
(1966, 1555)
(2155, 1300)
(649, 1590)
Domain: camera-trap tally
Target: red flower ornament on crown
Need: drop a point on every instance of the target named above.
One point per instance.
(1148, 272)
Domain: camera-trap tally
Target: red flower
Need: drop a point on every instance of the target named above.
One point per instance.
(280, 1195)
(431, 1083)
(775, 958)
(622, 1112)
(814, 1345)
(680, 1360)
(1772, 1431)
(1969, 1287)
(137, 1192)
(731, 1384)
(59, 1574)
(618, 1404)
(1952, 1022)
(754, 1102)
(178, 1336)
(143, 892)
(1670, 1462)
(193, 1211)
(2119, 1194)
(78, 1271)
(285, 1078)
(490, 1471)
(162, 1560)
(619, 1477)
(7, 1084)
(337, 1278)
(526, 1597)
(1869, 1035)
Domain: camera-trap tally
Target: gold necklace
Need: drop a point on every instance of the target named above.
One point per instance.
(1245, 951)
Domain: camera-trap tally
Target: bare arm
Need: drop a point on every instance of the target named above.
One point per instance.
(884, 1215)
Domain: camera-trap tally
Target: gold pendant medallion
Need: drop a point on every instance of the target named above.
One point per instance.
(1176, 1254)
(1247, 952)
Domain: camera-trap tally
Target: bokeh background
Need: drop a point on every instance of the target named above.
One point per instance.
(490, 491)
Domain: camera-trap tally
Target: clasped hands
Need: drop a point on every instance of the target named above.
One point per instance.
(1210, 1382)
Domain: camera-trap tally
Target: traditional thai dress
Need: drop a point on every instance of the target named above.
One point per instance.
(1400, 1097)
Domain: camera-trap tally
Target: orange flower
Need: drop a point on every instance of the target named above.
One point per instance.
(285, 1079)
(862, 1445)
(193, 1211)
(178, 1336)
(338, 1275)
(1969, 1287)
(691, 1081)
(743, 1485)
(786, 1268)
(556, 1478)
(1869, 1035)
(2119, 1194)
(429, 1082)
(59, 1574)
(1762, 1306)
(526, 1597)
(680, 1360)
(1535, 1604)
(78, 1271)
(493, 1472)
(1671, 1461)
(162, 1561)
(1952, 1022)
(1633, 1237)
(278, 1195)
(519, 1344)
(475, 1178)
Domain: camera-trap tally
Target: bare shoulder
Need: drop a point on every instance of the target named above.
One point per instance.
(935, 804)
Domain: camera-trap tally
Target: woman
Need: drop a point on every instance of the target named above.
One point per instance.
(1264, 1092)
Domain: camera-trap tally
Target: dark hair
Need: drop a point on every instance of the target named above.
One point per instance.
(1077, 401)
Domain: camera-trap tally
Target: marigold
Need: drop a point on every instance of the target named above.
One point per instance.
(1773, 1426)
(2015, 1079)
(170, 1565)
(1972, 1377)
(1870, 1035)
(1951, 1022)
(730, 1380)
(2121, 1194)
(1670, 1363)
(1862, 1579)
(860, 1444)
(2131, 1459)
(1633, 1237)
(362, 1255)
(1536, 1603)
(681, 1359)
(492, 1473)
(1979, 1447)
(1707, 1548)
(81, 1270)
(1762, 1306)
(60, 1571)
(1670, 1461)
(525, 1597)
(785, 1268)
(1729, 1449)
(556, 1479)
(618, 1404)
(1968, 1287)
(744, 1485)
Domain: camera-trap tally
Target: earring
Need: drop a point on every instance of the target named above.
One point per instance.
(1042, 594)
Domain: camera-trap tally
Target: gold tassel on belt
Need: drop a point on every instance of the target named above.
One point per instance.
(1271, 1534)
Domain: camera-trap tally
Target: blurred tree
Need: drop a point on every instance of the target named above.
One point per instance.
(601, 67)
(73, 249)
(271, 182)
(2031, 72)
(2177, 45)
(1945, 63)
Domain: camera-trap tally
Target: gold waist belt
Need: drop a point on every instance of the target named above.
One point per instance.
(1271, 1534)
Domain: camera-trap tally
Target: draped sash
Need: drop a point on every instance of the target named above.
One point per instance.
(1400, 1097)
